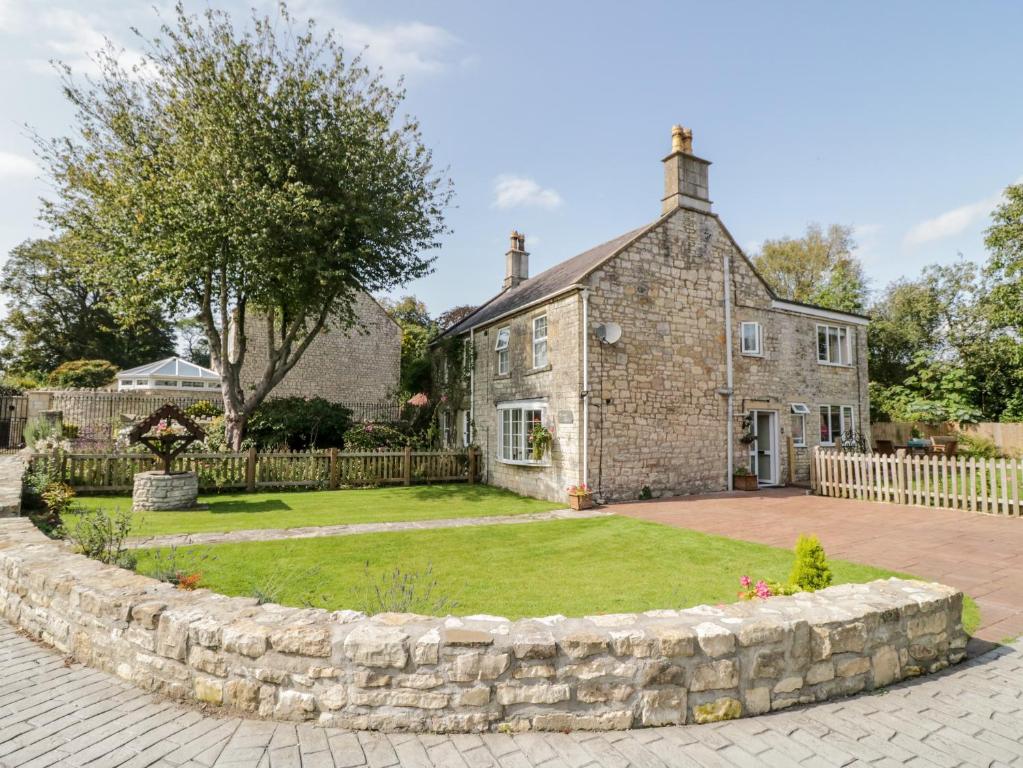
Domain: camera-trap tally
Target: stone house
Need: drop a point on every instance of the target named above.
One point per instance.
(359, 365)
(659, 360)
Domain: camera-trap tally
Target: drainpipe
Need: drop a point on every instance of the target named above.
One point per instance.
(730, 392)
(586, 387)
(472, 386)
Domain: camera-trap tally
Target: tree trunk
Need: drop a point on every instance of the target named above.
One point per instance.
(234, 429)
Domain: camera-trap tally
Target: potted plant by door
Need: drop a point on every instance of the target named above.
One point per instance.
(580, 497)
(744, 480)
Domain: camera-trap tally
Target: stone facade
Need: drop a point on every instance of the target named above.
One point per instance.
(361, 365)
(657, 397)
(477, 673)
(155, 491)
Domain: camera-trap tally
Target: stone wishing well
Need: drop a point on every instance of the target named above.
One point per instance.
(167, 432)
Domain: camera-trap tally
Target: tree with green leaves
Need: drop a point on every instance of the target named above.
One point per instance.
(417, 330)
(1005, 266)
(245, 174)
(57, 314)
(818, 268)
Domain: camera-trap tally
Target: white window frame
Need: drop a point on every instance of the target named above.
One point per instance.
(844, 350)
(758, 351)
(501, 348)
(540, 342)
(447, 419)
(514, 448)
(799, 413)
(846, 420)
(466, 429)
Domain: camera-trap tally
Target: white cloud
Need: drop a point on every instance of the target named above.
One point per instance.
(951, 223)
(518, 191)
(15, 166)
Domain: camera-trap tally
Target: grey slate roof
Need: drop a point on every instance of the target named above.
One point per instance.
(552, 281)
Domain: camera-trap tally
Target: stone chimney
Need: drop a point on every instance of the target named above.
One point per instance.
(685, 175)
(516, 264)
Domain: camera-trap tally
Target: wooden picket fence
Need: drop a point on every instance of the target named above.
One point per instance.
(251, 470)
(992, 486)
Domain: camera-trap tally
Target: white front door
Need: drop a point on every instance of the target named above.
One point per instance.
(763, 458)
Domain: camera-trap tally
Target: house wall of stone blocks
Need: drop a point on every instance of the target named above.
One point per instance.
(360, 365)
(657, 419)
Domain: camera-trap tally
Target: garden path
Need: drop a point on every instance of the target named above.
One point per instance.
(978, 553)
(319, 531)
(11, 470)
(56, 713)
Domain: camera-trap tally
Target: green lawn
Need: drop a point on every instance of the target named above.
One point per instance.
(601, 565)
(233, 512)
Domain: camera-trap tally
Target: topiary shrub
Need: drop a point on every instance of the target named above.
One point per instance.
(297, 423)
(88, 374)
(811, 570)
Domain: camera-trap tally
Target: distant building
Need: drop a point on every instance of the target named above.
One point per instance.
(167, 375)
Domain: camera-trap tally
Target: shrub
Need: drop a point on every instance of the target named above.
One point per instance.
(811, 570)
(88, 374)
(204, 409)
(399, 591)
(977, 446)
(375, 437)
(102, 537)
(299, 423)
(180, 567)
(58, 499)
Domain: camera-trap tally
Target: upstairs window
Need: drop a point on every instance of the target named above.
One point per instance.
(751, 335)
(540, 341)
(833, 345)
(503, 336)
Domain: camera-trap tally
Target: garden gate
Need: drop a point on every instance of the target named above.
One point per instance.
(13, 415)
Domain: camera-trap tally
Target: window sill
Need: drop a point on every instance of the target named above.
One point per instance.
(499, 376)
(541, 369)
(834, 365)
(525, 462)
(752, 354)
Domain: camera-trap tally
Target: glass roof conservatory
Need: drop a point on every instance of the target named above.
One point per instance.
(172, 373)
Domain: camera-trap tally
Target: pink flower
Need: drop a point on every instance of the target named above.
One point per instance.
(763, 591)
(419, 400)
(746, 581)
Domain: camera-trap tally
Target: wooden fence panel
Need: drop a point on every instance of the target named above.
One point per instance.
(988, 486)
(115, 472)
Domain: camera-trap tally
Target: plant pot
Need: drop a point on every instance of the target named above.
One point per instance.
(745, 482)
(581, 502)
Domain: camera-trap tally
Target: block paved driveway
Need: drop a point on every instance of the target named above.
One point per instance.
(980, 554)
(53, 713)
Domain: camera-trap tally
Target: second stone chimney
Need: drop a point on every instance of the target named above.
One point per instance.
(516, 265)
(685, 175)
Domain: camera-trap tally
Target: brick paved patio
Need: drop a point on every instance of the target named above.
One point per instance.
(58, 714)
(980, 554)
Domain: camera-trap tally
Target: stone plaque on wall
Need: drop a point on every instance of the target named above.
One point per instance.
(565, 417)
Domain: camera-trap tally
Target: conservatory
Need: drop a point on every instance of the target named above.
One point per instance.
(172, 373)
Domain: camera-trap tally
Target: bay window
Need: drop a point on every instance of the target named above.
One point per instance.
(514, 423)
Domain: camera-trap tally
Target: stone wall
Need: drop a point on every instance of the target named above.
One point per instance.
(408, 672)
(360, 365)
(12, 469)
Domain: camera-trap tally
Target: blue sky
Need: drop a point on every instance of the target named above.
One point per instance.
(903, 120)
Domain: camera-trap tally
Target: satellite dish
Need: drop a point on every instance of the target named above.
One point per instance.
(609, 333)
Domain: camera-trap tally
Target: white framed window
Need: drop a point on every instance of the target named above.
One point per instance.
(836, 420)
(465, 425)
(799, 413)
(833, 347)
(446, 422)
(514, 422)
(501, 347)
(540, 341)
(751, 335)
(165, 383)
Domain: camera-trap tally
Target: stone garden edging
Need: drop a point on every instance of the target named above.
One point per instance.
(408, 672)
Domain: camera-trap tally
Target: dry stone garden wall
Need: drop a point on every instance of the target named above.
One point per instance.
(408, 672)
